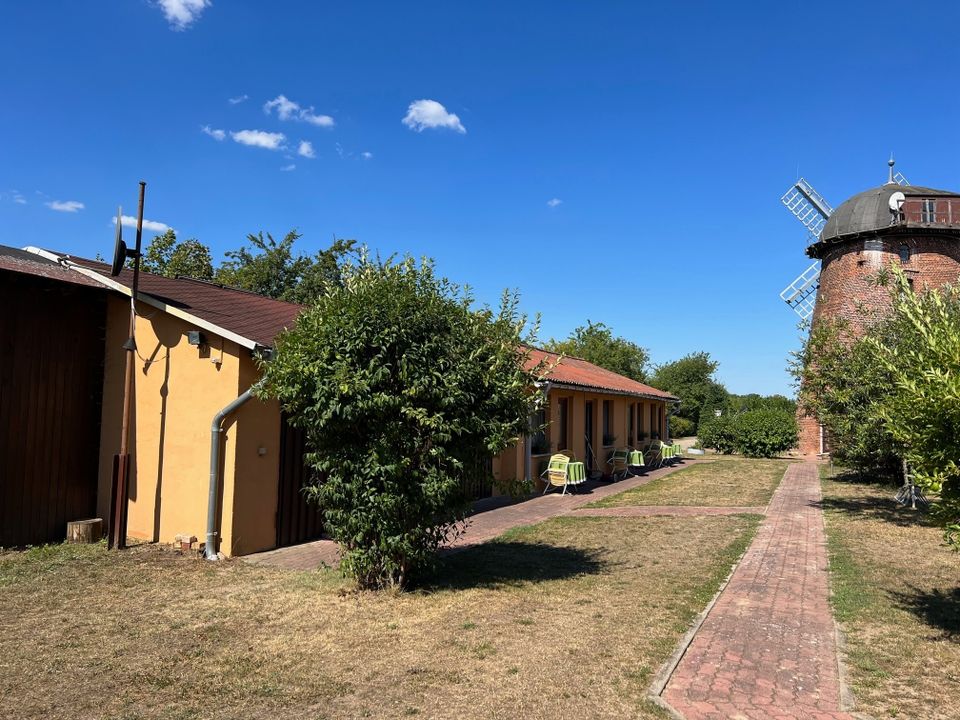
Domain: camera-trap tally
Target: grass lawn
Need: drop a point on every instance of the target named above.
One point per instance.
(896, 594)
(714, 480)
(570, 618)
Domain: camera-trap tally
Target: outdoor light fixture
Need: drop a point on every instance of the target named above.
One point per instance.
(195, 337)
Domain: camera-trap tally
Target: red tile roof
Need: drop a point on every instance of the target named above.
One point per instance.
(26, 263)
(576, 372)
(243, 313)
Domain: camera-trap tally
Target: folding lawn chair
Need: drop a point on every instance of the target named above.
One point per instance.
(619, 465)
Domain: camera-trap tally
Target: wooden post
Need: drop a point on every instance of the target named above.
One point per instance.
(85, 531)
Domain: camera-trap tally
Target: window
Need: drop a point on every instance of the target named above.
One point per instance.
(539, 445)
(653, 421)
(904, 253)
(929, 212)
(630, 410)
(562, 440)
(608, 438)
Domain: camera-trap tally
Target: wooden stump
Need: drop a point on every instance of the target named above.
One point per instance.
(85, 531)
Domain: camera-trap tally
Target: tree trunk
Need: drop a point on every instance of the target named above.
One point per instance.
(85, 531)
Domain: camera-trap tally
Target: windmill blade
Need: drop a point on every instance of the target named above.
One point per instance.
(899, 179)
(801, 294)
(808, 206)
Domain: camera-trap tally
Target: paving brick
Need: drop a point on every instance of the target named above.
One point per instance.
(767, 648)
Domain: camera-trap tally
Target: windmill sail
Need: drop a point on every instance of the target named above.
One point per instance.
(801, 294)
(808, 206)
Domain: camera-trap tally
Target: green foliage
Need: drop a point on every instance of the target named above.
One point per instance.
(840, 382)
(681, 427)
(597, 344)
(764, 433)
(400, 384)
(920, 352)
(742, 403)
(268, 267)
(691, 379)
(165, 256)
(761, 433)
(717, 433)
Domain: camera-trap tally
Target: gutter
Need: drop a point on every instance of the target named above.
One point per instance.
(216, 442)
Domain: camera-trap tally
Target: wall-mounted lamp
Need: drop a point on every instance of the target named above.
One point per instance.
(195, 337)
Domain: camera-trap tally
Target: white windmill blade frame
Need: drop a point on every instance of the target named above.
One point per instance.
(801, 294)
(808, 206)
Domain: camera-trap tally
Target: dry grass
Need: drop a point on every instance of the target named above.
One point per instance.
(568, 619)
(896, 594)
(715, 480)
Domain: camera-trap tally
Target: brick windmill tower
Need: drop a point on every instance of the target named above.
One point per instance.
(917, 227)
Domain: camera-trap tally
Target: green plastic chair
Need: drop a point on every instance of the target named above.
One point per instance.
(619, 463)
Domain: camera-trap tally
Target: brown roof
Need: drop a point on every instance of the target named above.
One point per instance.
(577, 372)
(27, 263)
(247, 314)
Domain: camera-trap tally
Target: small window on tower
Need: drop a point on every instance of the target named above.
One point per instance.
(904, 253)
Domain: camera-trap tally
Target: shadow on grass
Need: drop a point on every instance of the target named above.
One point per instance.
(507, 563)
(939, 609)
(872, 508)
(875, 478)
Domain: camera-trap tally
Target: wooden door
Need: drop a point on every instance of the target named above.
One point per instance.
(298, 520)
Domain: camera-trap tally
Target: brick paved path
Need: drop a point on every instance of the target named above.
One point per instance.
(767, 648)
(482, 526)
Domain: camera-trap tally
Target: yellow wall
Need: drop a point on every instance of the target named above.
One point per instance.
(177, 390)
(510, 463)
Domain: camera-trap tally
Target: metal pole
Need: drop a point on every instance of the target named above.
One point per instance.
(118, 530)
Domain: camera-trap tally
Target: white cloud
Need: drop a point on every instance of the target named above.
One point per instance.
(289, 110)
(553, 202)
(366, 155)
(288, 168)
(182, 13)
(18, 198)
(306, 149)
(70, 206)
(131, 222)
(260, 138)
(215, 134)
(238, 99)
(423, 114)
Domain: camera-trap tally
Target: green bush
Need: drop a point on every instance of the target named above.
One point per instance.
(401, 385)
(681, 427)
(717, 433)
(764, 433)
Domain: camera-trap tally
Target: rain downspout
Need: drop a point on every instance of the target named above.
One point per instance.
(216, 436)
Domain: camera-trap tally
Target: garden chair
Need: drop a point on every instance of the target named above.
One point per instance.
(556, 474)
(635, 463)
(654, 454)
(618, 462)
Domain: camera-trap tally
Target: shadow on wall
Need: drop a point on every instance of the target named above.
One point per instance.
(937, 608)
(499, 564)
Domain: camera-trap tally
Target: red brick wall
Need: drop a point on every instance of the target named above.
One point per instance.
(846, 292)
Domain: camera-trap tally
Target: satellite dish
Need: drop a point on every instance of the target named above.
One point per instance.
(120, 247)
(896, 201)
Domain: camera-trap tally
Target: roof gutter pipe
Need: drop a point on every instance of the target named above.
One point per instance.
(216, 442)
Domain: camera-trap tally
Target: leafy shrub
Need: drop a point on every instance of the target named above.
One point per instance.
(400, 384)
(763, 433)
(717, 433)
(681, 426)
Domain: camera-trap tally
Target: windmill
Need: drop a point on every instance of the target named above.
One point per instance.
(813, 211)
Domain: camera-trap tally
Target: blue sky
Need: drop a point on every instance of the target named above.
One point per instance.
(666, 132)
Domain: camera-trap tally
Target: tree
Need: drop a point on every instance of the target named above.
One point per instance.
(268, 267)
(691, 379)
(165, 256)
(921, 409)
(753, 401)
(400, 385)
(597, 344)
(839, 381)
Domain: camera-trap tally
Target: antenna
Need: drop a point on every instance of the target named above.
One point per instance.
(808, 206)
